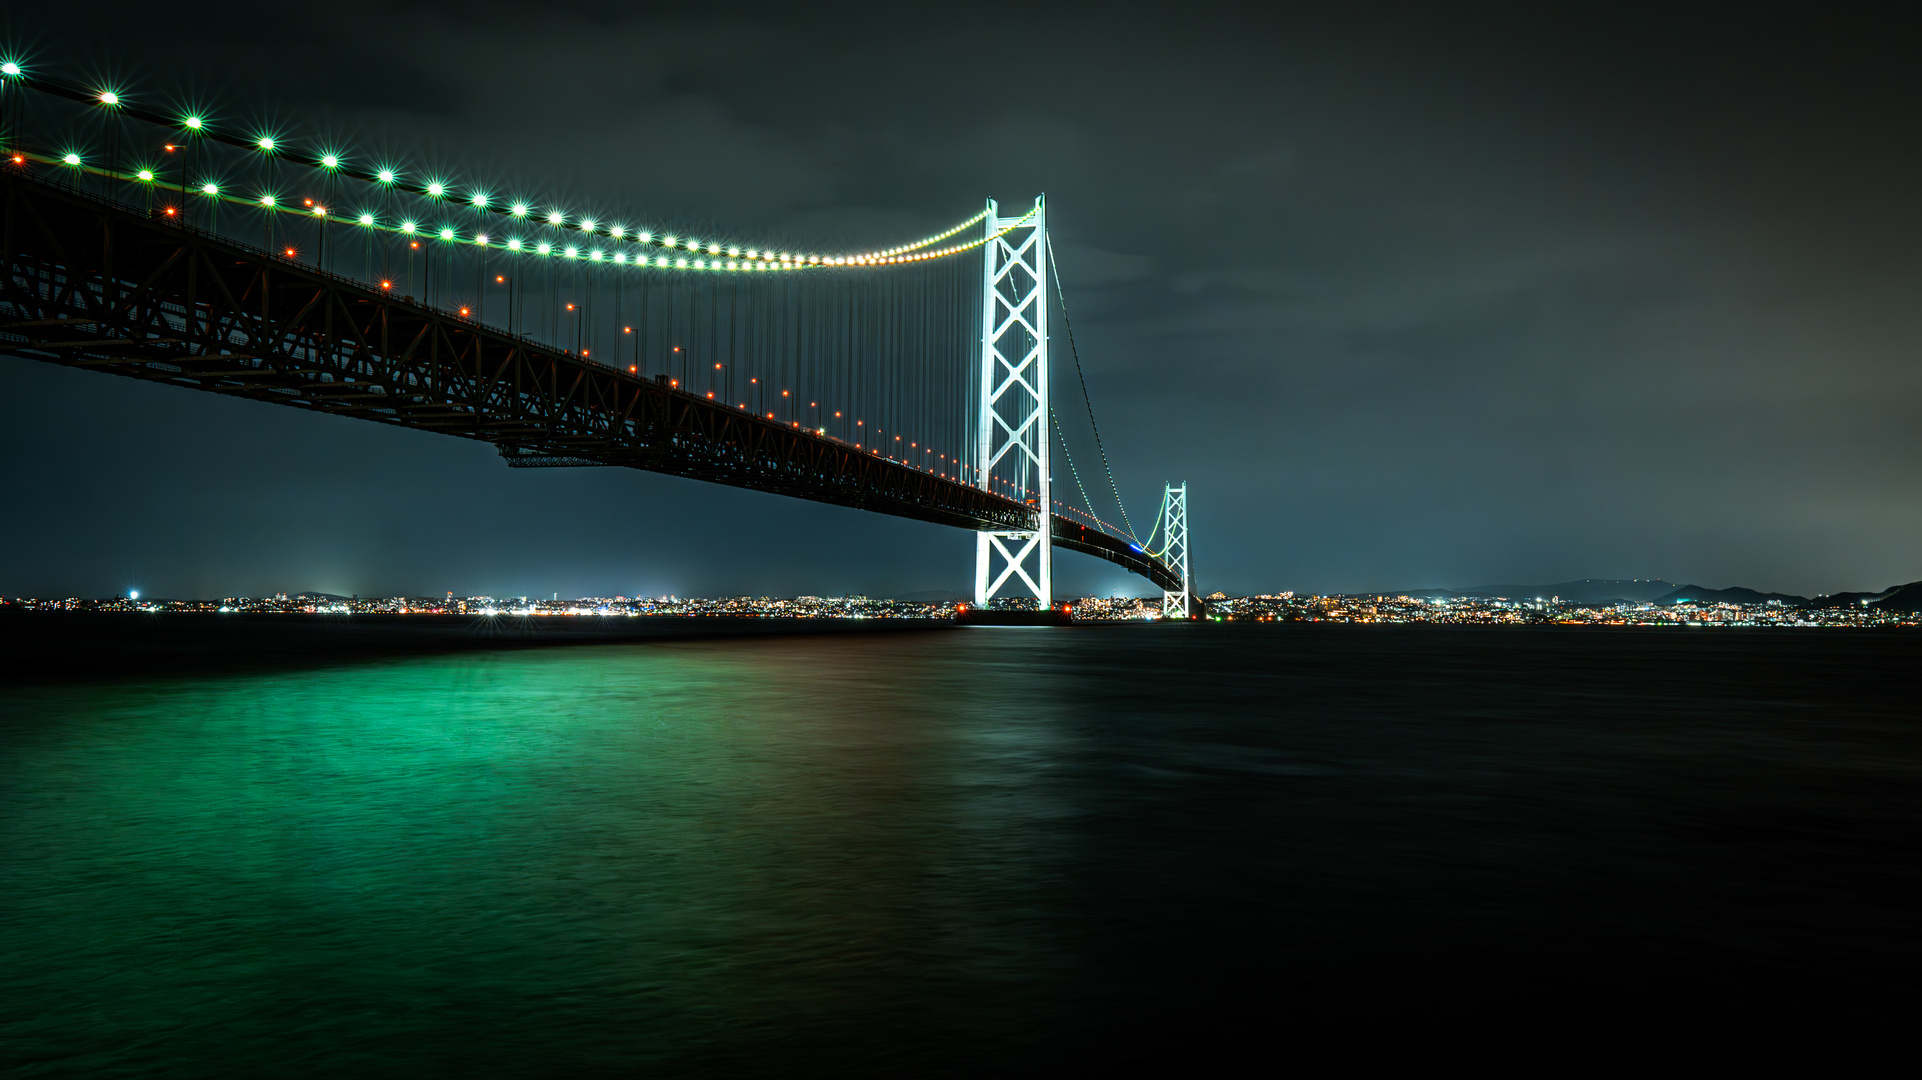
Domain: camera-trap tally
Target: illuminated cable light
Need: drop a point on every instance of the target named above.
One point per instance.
(573, 252)
(71, 159)
(594, 256)
(320, 211)
(436, 189)
(617, 232)
(644, 236)
(209, 189)
(481, 239)
(544, 249)
(266, 200)
(667, 241)
(145, 174)
(520, 209)
(191, 123)
(330, 161)
(108, 97)
(620, 257)
(265, 142)
(9, 68)
(366, 219)
(555, 218)
(479, 200)
(514, 244)
(447, 234)
(714, 249)
(587, 225)
(407, 227)
(386, 176)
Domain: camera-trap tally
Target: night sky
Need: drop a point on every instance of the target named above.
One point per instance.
(1409, 296)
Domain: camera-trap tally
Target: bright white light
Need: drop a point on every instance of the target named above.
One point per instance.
(513, 245)
(435, 189)
(9, 68)
(209, 189)
(366, 219)
(266, 143)
(330, 160)
(620, 257)
(387, 176)
(480, 200)
(617, 231)
(266, 200)
(544, 249)
(714, 249)
(573, 252)
(135, 594)
(146, 174)
(643, 237)
(406, 226)
(555, 218)
(594, 256)
(447, 234)
(193, 123)
(481, 239)
(588, 225)
(111, 98)
(520, 209)
(71, 159)
(320, 211)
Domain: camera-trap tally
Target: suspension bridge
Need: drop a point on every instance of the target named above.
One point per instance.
(159, 243)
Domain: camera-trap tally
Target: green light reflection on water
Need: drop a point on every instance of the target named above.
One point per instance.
(589, 854)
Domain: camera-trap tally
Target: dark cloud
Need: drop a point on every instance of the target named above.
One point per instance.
(1409, 294)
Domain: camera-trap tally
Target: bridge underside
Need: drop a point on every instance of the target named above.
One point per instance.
(92, 284)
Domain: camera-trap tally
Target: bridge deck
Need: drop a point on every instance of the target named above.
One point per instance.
(98, 285)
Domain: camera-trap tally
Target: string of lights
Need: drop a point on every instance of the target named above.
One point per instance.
(699, 254)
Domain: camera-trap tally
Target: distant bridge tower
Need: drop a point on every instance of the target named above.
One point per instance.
(1012, 425)
(1174, 518)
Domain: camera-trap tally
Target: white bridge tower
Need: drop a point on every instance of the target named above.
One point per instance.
(1174, 518)
(1012, 424)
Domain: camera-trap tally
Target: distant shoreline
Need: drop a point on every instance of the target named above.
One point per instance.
(64, 645)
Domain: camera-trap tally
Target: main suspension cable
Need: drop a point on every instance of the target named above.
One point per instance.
(1086, 400)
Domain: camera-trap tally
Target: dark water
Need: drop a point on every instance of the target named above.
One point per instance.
(984, 850)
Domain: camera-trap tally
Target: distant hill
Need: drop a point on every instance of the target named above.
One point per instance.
(1585, 591)
(1698, 594)
(1894, 598)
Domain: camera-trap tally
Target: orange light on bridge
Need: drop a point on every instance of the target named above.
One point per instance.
(290, 253)
(415, 244)
(170, 148)
(627, 329)
(631, 369)
(463, 311)
(170, 211)
(386, 284)
(570, 307)
(499, 280)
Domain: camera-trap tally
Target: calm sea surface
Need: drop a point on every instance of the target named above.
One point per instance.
(962, 851)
